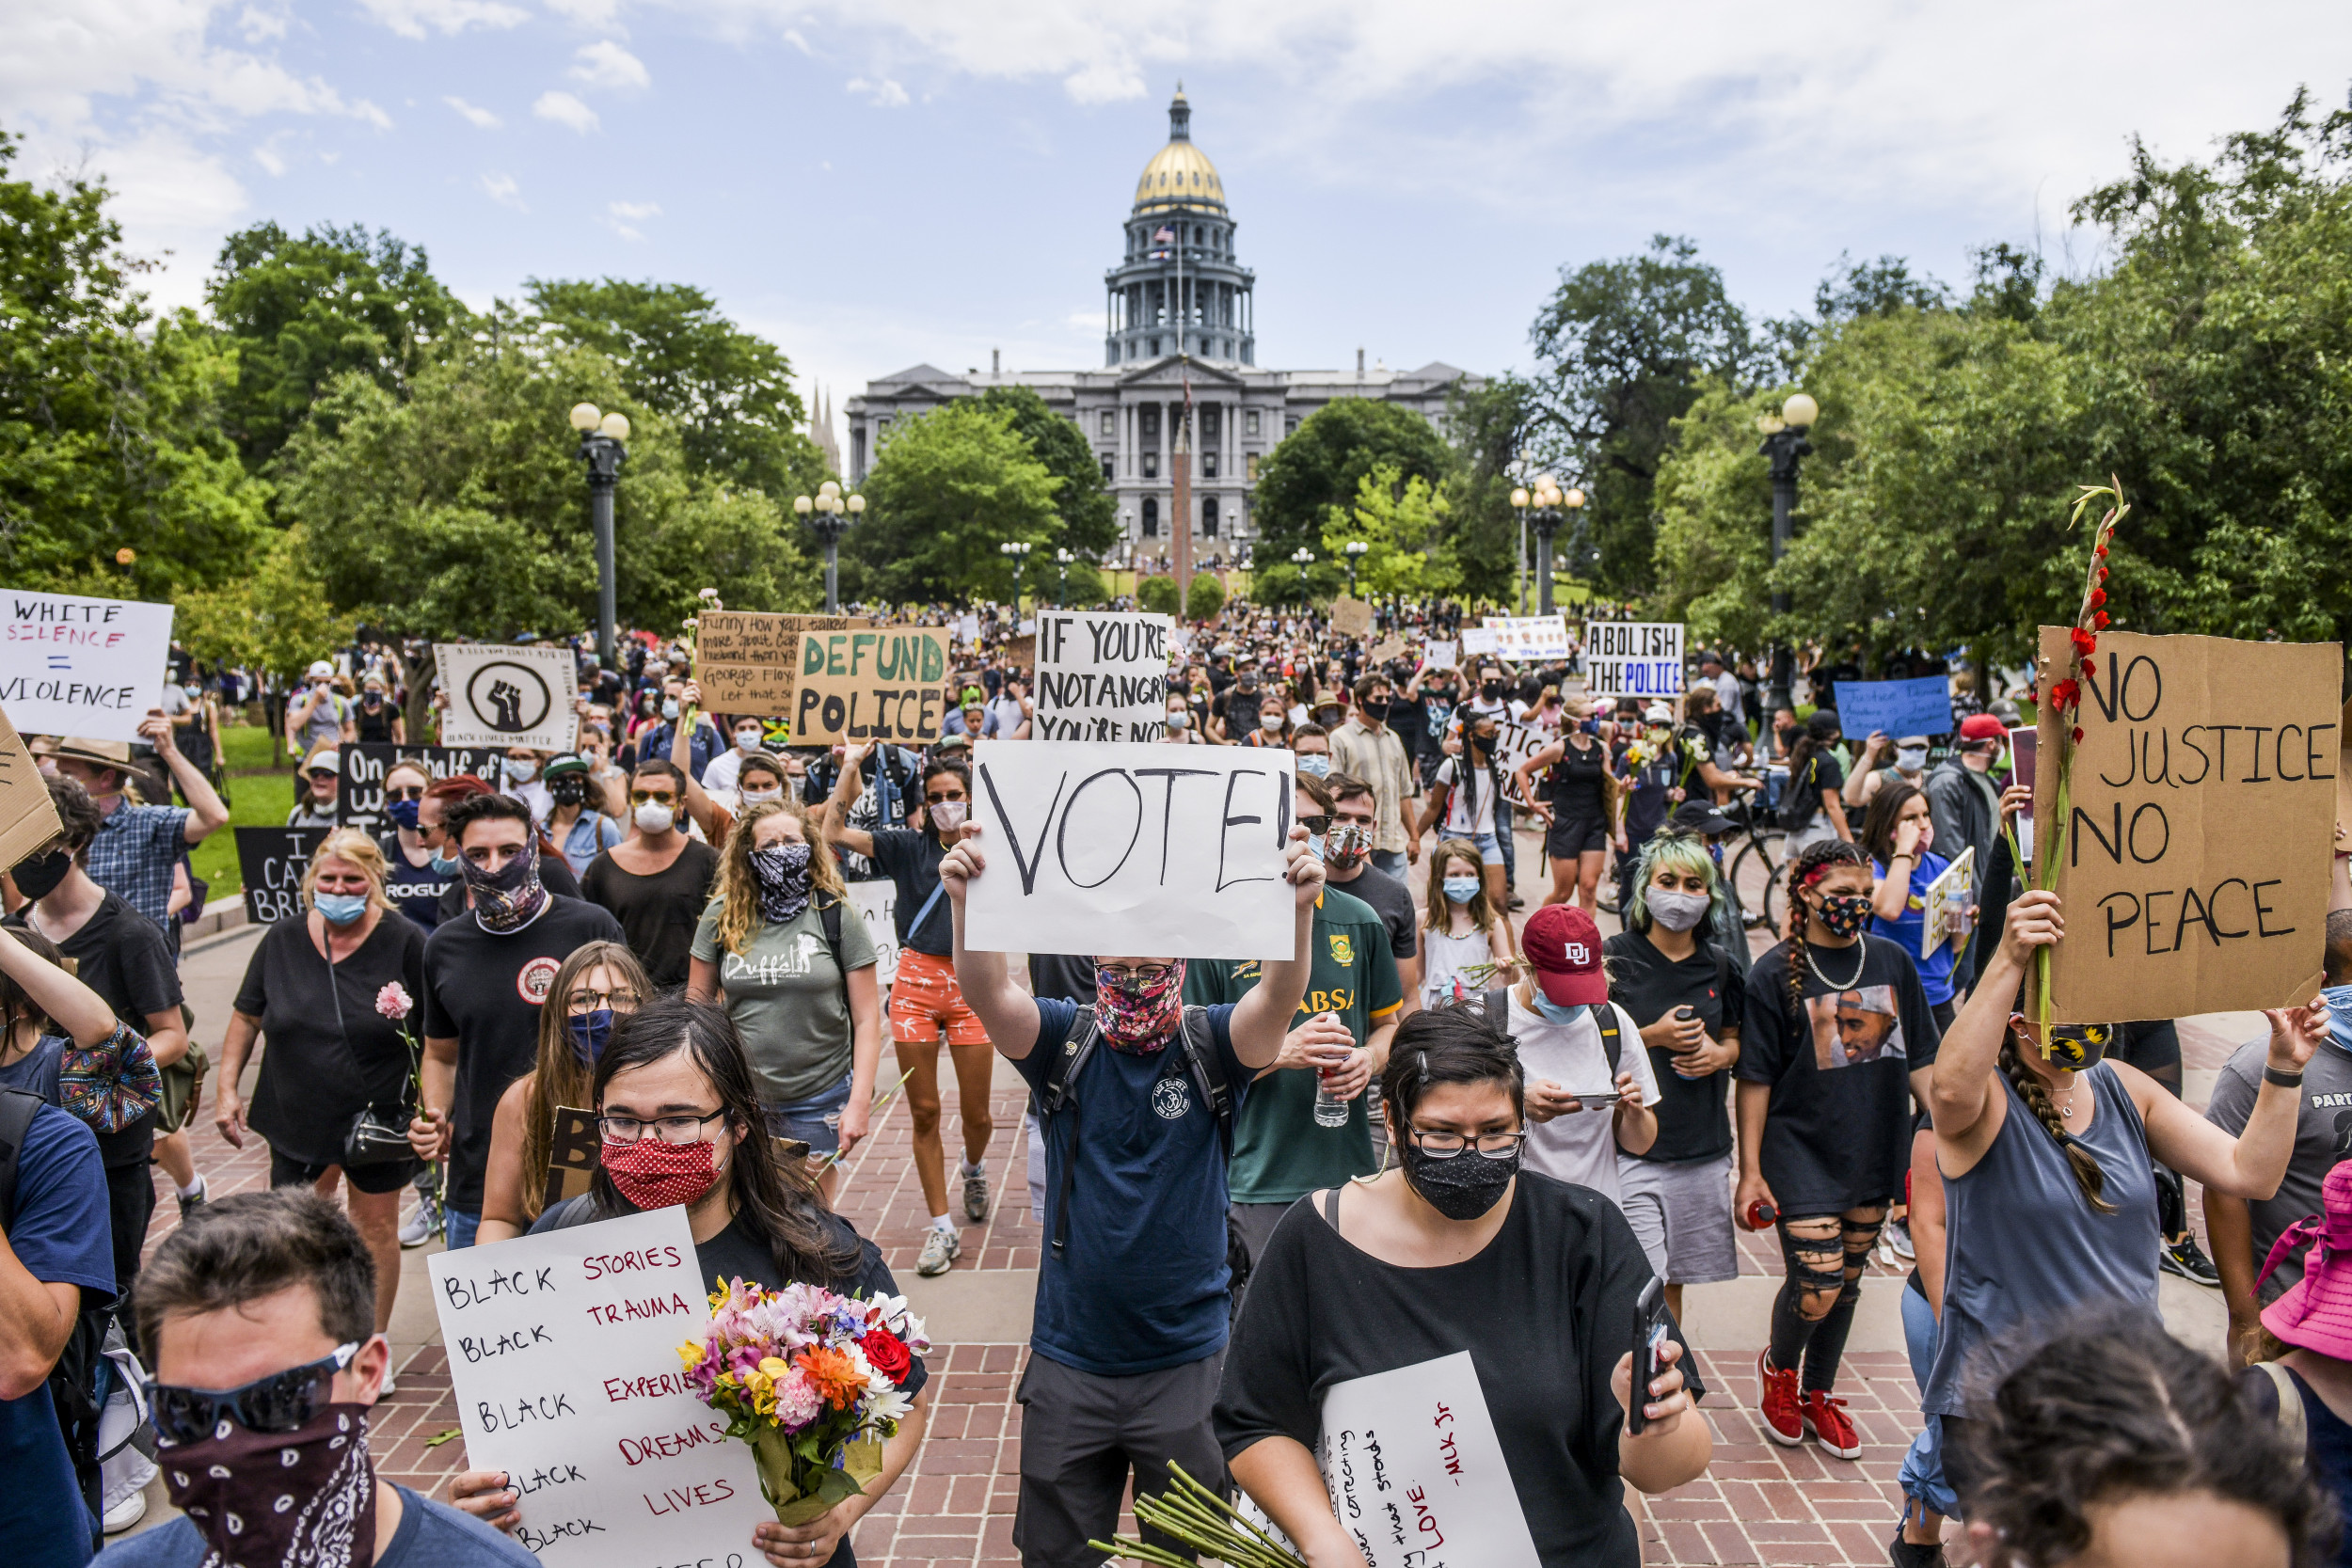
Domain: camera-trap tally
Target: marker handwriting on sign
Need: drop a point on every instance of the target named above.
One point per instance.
(669, 1444)
(599, 1265)
(500, 1284)
(1113, 824)
(676, 1499)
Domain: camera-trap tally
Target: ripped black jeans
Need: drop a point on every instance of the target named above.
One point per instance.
(1814, 1311)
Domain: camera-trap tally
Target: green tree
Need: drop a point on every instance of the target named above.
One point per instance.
(303, 311)
(1157, 594)
(277, 618)
(1403, 521)
(946, 489)
(1090, 516)
(1322, 463)
(1205, 597)
(1491, 427)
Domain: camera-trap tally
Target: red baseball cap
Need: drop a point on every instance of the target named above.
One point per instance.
(1982, 726)
(1563, 945)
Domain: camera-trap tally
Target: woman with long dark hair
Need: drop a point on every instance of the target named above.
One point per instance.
(1898, 836)
(1812, 806)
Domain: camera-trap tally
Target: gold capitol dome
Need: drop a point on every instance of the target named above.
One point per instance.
(1179, 174)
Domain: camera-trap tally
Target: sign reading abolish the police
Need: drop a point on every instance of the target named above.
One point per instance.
(1126, 847)
(880, 682)
(2193, 860)
(1102, 677)
(1635, 658)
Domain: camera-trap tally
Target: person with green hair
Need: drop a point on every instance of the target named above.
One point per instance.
(1675, 980)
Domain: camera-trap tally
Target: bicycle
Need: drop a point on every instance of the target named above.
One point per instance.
(1762, 838)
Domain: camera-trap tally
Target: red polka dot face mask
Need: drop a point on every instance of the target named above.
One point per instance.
(653, 1175)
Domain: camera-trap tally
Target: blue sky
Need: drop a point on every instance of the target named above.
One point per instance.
(893, 181)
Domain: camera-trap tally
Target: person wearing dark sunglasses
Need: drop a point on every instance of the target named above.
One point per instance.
(260, 1314)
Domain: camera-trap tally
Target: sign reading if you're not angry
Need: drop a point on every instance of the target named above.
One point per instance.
(1101, 676)
(878, 683)
(1093, 847)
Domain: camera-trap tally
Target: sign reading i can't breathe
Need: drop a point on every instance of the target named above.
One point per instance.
(508, 696)
(1102, 677)
(1633, 659)
(83, 667)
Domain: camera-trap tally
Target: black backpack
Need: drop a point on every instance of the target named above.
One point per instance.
(73, 1381)
(1496, 1003)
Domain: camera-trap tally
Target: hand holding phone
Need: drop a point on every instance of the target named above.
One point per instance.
(1652, 1332)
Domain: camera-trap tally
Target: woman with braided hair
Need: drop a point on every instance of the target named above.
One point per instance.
(2050, 1206)
(1837, 1035)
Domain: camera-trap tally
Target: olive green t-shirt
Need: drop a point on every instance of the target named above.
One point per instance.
(787, 998)
(1279, 1154)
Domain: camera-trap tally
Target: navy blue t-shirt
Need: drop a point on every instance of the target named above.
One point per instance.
(430, 1535)
(61, 1237)
(1142, 1285)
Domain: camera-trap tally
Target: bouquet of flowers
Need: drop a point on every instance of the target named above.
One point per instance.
(811, 1380)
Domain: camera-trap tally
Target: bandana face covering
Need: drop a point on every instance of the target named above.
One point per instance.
(654, 1175)
(784, 881)
(588, 1032)
(1139, 1016)
(1844, 915)
(506, 899)
(304, 1498)
(1344, 847)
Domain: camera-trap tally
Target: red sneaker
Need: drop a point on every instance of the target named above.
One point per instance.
(1784, 1419)
(1825, 1418)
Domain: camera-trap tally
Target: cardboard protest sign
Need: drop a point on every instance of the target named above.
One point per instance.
(563, 1359)
(1101, 675)
(503, 696)
(1897, 708)
(1350, 617)
(1415, 1472)
(1633, 659)
(83, 667)
(870, 683)
(270, 863)
(28, 818)
(359, 795)
(1518, 637)
(877, 902)
(1021, 652)
(1478, 640)
(1126, 847)
(2343, 772)
(1947, 899)
(573, 1155)
(2193, 859)
(1387, 648)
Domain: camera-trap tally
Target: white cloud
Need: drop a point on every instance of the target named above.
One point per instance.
(885, 93)
(566, 110)
(606, 64)
(268, 158)
(635, 211)
(414, 19)
(481, 119)
(588, 14)
(258, 25)
(501, 189)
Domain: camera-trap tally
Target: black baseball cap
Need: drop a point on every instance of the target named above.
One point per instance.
(1699, 816)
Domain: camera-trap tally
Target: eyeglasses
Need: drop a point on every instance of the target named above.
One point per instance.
(1445, 1146)
(590, 1001)
(282, 1402)
(670, 1130)
(1318, 824)
(315, 774)
(413, 792)
(652, 798)
(1146, 974)
(936, 799)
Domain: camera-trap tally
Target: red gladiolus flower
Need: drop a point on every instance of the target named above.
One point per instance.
(2098, 597)
(2100, 620)
(2103, 573)
(2101, 550)
(2067, 694)
(2078, 735)
(2085, 643)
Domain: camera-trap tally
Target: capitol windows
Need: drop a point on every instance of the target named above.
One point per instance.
(1249, 421)
(1208, 517)
(1110, 423)
(1208, 465)
(1109, 470)
(1151, 465)
(1253, 468)
(1151, 517)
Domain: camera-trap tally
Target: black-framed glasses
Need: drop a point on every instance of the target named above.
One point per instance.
(1143, 975)
(409, 792)
(1445, 1146)
(1318, 823)
(282, 1402)
(670, 1130)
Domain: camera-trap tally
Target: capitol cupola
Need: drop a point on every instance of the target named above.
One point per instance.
(1179, 290)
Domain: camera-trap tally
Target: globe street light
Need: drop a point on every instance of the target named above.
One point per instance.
(603, 446)
(1355, 549)
(1302, 558)
(1785, 445)
(1541, 506)
(1062, 595)
(1574, 501)
(829, 513)
(1018, 550)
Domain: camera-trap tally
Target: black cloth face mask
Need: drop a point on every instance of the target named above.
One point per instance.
(1463, 1187)
(37, 876)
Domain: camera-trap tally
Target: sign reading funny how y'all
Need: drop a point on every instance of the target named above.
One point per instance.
(1097, 847)
(508, 696)
(564, 1360)
(82, 667)
(1101, 676)
(2194, 855)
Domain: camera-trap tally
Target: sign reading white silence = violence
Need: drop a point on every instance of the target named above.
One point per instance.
(1125, 847)
(1633, 659)
(77, 665)
(360, 796)
(1101, 676)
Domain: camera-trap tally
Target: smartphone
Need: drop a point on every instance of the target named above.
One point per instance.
(1651, 1329)
(1598, 1097)
(2022, 743)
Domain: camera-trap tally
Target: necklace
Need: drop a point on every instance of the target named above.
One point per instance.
(1861, 962)
(2066, 1100)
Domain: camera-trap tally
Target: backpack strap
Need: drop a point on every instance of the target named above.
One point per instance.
(1496, 1004)
(17, 1110)
(1052, 1100)
(1208, 1074)
(2293, 1424)
(1611, 1037)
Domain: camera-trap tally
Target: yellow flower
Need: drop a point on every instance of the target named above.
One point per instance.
(691, 1354)
(776, 1367)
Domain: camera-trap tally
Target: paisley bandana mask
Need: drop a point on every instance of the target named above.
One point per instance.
(1139, 1016)
(506, 899)
(784, 881)
(304, 1498)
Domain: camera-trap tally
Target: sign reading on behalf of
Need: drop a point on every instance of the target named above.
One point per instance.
(1127, 847)
(875, 682)
(1633, 659)
(508, 696)
(2194, 855)
(563, 1358)
(744, 659)
(270, 863)
(83, 667)
(1101, 676)
(359, 798)
(1415, 1472)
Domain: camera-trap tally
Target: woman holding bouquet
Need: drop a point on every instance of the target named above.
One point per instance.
(677, 1106)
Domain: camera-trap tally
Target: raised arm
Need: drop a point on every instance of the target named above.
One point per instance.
(1009, 1013)
(65, 1001)
(2251, 1165)
(206, 811)
(846, 790)
(700, 807)
(1261, 1017)
(1963, 1094)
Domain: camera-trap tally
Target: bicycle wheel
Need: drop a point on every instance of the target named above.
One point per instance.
(1760, 880)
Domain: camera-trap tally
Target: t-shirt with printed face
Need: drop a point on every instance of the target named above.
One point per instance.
(788, 998)
(485, 989)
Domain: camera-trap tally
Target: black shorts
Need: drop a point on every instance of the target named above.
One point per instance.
(1571, 837)
(388, 1175)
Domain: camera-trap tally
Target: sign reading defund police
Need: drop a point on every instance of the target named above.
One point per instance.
(1174, 852)
(2194, 857)
(1102, 677)
(880, 684)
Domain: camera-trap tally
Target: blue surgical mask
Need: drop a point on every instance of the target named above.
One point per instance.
(444, 865)
(1461, 889)
(521, 773)
(1315, 765)
(1553, 1011)
(341, 909)
(2339, 1000)
(588, 1033)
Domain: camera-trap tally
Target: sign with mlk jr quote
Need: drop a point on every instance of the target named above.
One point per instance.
(2196, 850)
(1416, 1471)
(1101, 676)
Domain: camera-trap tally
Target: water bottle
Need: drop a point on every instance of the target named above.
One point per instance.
(1330, 1110)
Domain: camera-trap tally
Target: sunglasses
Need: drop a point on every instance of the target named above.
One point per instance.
(1318, 824)
(282, 1402)
(936, 799)
(651, 797)
(413, 792)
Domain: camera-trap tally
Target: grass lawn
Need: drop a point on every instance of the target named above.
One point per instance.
(260, 796)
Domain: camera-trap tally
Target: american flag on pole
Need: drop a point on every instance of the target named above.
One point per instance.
(1165, 237)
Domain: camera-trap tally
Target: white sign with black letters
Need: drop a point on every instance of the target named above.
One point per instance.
(81, 667)
(877, 903)
(1101, 675)
(508, 696)
(1635, 658)
(1415, 1472)
(1126, 847)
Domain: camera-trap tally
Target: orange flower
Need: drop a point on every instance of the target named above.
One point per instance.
(832, 1373)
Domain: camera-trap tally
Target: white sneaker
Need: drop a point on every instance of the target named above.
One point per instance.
(129, 1511)
(940, 1249)
(388, 1388)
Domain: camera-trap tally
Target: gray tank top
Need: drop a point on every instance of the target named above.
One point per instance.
(2025, 1246)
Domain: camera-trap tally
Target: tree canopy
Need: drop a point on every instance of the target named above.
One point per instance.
(947, 488)
(1322, 463)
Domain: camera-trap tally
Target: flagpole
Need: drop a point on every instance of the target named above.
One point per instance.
(1183, 432)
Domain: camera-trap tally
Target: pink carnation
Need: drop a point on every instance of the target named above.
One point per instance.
(798, 1403)
(394, 1001)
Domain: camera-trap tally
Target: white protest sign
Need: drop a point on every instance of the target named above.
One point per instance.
(968, 628)
(1439, 656)
(1635, 658)
(1099, 847)
(1947, 899)
(508, 696)
(1101, 675)
(88, 667)
(1530, 636)
(1416, 1473)
(877, 902)
(563, 1358)
(1478, 640)
(1514, 744)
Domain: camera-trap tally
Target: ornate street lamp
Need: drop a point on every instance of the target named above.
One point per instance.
(1356, 550)
(603, 446)
(1302, 558)
(1785, 445)
(829, 513)
(1018, 550)
(1061, 595)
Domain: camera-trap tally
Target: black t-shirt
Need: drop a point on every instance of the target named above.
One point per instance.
(1821, 772)
(314, 1076)
(1239, 709)
(1390, 899)
(484, 990)
(1319, 1312)
(415, 890)
(1693, 1122)
(1064, 977)
(555, 875)
(121, 955)
(375, 723)
(659, 911)
(910, 857)
(1434, 704)
(1837, 1129)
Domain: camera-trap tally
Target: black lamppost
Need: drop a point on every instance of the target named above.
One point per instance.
(1061, 593)
(829, 513)
(1018, 550)
(1355, 549)
(604, 446)
(1785, 446)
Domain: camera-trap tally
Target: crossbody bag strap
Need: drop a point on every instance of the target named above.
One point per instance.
(1612, 1038)
(18, 1107)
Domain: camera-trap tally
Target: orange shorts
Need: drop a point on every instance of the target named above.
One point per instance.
(924, 1000)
